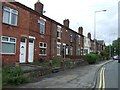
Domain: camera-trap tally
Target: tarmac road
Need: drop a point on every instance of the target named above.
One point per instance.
(108, 76)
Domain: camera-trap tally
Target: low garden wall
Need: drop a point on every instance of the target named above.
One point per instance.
(39, 72)
(72, 63)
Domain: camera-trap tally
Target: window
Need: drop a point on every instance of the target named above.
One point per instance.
(10, 16)
(59, 32)
(42, 25)
(85, 51)
(78, 51)
(58, 48)
(8, 45)
(70, 37)
(78, 39)
(71, 50)
(43, 48)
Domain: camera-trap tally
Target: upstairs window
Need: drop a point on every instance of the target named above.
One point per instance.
(59, 32)
(43, 48)
(8, 45)
(71, 37)
(78, 39)
(42, 25)
(10, 16)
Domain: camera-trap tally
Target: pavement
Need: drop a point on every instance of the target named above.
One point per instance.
(80, 77)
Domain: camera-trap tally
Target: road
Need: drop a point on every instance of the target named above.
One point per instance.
(108, 76)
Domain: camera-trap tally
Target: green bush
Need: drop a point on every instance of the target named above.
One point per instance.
(56, 62)
(92, 52)
(105, 54)
(12, 76)
(91, 58)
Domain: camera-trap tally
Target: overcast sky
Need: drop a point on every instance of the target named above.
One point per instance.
(81, 13)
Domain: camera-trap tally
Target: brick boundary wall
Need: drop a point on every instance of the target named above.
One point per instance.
(40, 72)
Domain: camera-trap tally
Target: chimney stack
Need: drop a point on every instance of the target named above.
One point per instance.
(89, 35)
(38, 7)
(80, 30)
(66, 22)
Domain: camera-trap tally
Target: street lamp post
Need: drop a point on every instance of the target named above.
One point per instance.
(95, 27)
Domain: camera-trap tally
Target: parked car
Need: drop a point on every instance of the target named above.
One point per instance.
(117, 58)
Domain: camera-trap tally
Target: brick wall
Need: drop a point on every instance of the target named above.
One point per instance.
(22, 29)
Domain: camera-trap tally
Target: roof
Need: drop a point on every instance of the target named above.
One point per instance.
(101, 42)
(35, 12)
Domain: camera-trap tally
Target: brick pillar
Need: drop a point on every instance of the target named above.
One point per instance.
(38, 7)
(66, 22)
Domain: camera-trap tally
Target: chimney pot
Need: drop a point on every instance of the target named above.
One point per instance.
(80, 30)
(39, 7)
(89, 35)
(66, 22)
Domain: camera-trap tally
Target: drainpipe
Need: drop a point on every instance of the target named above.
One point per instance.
(50, 39)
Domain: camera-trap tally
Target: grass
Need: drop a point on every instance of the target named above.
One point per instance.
(12, 76)
(0, 77)
(55, 63)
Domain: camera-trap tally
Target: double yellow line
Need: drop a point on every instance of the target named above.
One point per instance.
(102, 79)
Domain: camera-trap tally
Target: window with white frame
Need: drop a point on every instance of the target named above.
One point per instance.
(58, 48)
(42, 25)
(70, 37)
(78, 39)
(59, 32)
(8, 45)
(71, 50)
(79, 51)
(43, 48)
(10, 16)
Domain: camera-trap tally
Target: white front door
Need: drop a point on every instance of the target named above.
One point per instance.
(66, 50)
(31, 50)
(23, 50)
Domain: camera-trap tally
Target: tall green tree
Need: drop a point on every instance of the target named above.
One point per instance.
(116, 46)
(113, 49)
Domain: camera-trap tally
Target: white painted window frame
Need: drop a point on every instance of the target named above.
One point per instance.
(79, 39)
(8, 42)
(42, 24)
(59, 44)
(43, 48)
(59, 30)
(71, 37)
(11, 12)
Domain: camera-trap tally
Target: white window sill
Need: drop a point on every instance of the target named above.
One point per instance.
(10, 24)
(9, 53)
(43, 54)
(58, 55)
(58, 38)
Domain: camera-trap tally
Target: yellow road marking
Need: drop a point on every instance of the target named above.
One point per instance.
(100, 84)
(102, 79)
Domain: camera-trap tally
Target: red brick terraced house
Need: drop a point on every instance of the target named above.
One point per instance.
(28, 35)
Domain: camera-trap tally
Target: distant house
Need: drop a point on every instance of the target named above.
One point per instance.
(101, 45)
(87, 45)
